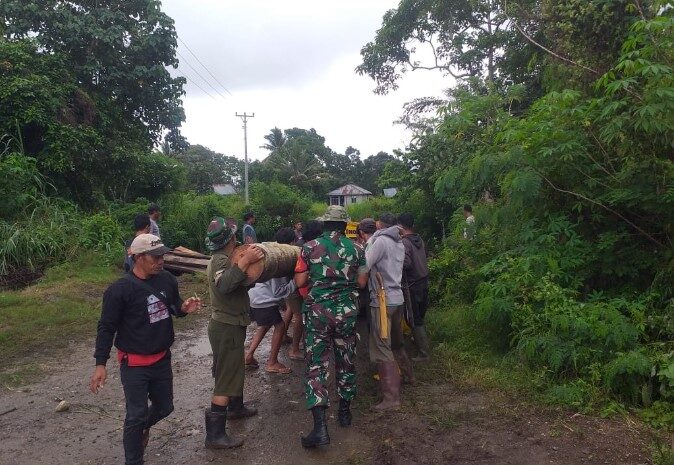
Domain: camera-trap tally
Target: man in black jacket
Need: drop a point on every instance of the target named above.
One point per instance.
(415, 275)
(136, 313)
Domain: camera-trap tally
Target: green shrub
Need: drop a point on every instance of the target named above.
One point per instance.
(275, 206)
(371, 208)
(186, 216)
(102, 233)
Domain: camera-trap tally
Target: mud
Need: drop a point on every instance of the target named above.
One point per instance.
(437, 424)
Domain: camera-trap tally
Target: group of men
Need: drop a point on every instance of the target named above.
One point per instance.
(387, 257)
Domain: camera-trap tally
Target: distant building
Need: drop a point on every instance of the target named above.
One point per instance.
(224, 189)
(347, 195)
(390, 192)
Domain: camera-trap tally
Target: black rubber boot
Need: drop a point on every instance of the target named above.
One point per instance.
(319, 435)
(216, 432)
(237, 409)
(344, 413)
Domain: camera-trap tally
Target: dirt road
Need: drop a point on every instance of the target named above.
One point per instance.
(437, 425)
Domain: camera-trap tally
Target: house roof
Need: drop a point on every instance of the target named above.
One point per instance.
(350, 189)
(224, 189)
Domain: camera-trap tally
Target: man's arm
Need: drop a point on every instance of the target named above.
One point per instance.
(373, 254)
(232, 276)
(111, 315)
(407, 262)
(182, 308)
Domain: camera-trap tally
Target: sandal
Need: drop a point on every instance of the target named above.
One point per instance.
(252, 364)
(282, 371)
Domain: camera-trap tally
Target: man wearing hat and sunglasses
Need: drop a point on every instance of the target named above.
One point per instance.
(136, 314)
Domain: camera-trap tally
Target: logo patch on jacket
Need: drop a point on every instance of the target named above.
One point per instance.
(156, 309)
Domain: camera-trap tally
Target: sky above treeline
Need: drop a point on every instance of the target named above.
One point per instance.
(291, 63)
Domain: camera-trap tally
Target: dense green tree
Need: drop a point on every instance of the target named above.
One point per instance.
(204, 168)
(117, 50)
(464, 38)
(571, 264)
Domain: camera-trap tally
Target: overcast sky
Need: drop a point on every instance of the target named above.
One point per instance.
(291, 62)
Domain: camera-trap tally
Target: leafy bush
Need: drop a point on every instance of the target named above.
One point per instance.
(371, 208)
(102, 233)
(275, 206)
(186, 216)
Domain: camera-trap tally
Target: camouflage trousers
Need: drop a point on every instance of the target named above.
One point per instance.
(329, 328)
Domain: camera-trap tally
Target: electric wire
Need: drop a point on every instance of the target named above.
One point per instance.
(204, 66)
(199, 74)
(197, 84)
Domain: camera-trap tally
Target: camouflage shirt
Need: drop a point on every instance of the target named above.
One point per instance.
(334, 262)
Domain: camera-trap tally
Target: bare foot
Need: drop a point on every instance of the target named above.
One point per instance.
(278, 367)
(296, 355)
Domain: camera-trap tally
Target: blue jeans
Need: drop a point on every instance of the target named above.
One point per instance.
(154, 382)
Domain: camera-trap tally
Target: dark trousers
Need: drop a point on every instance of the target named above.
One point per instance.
(154, 382)
(419, 301)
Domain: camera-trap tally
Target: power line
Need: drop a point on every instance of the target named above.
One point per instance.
(204, 66)
(199, 74)
(196, 84)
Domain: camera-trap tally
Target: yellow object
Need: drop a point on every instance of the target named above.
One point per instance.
(351, 229)
(406, 328)
(383, 314)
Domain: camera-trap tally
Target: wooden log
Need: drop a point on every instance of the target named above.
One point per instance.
(278, 262)
(189, 261)
(185, 252)
(183, 268)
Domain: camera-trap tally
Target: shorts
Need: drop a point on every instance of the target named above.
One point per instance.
(266, 316)
(228, 365)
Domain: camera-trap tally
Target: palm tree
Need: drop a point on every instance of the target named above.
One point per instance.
(296, 164)
(275, 140)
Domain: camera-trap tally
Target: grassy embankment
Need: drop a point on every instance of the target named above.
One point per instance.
(63, 307)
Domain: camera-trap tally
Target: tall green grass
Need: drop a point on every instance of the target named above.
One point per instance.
(46, 234)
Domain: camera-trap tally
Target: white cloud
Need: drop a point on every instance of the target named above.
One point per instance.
(292, 64)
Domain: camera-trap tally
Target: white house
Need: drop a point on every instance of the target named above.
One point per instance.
(347, 195)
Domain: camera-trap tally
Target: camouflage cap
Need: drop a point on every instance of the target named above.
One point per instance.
(335, 213)
(218, 234)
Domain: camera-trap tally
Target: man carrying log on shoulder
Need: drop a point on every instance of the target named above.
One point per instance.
(335, 269)
(227, 331)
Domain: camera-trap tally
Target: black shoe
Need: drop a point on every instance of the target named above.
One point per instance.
(237, 409)
(216, 432)
(319, 435)
(344, 413)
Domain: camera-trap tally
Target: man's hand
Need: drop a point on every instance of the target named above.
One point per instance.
(191, 305)
(252, 254)
(98, 379)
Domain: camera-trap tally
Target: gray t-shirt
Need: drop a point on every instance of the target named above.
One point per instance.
(154, 228)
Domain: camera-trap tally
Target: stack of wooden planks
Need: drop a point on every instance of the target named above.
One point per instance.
(184, 260)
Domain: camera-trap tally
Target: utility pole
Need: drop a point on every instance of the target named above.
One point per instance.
(244, 117)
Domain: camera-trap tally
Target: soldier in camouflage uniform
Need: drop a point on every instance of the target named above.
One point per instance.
(335, 269)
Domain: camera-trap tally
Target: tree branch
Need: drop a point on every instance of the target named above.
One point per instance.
(599, 204)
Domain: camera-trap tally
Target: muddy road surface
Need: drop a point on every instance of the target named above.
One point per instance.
(438, 423)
